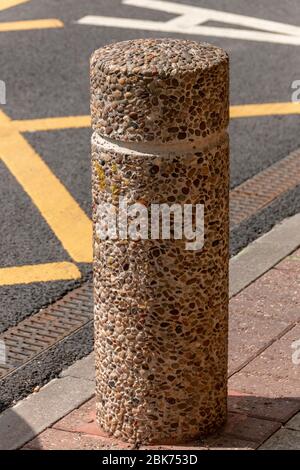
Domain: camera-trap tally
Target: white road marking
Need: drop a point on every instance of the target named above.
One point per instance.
(190, 17)
(199, 15)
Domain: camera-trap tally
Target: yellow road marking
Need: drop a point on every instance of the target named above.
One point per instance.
(31, 24)
(48, 124)
(38, 273)
(65, 217)
(267, 109)
(5, 4)
(75, 122)
(63, 214)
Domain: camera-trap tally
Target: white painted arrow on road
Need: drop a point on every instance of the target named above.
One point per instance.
(190, 17)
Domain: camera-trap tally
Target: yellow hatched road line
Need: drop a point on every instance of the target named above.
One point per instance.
(38, 273)
(267, 109)
(76, 122)
(51, 124)
(31, 24)
(63, 214)
(65, 217)
(26, 24)
(5, 4)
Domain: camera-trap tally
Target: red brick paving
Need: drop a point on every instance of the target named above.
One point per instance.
(276, 361)
(248, 428)
(187, 446)
(250, 334)
(265, 386)
(224, 442)
(55, 439)
(264, 321)
(79, 430)
(275, 409)
(264, 311)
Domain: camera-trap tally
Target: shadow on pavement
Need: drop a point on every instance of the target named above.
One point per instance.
(251, 421)
(14, 430)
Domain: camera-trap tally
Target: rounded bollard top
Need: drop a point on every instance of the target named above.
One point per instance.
(160, 90)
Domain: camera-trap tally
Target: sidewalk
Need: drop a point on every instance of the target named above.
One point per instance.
(264, 371)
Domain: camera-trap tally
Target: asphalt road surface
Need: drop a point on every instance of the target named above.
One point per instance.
(46, 71)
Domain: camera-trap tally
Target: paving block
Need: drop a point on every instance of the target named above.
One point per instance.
(294, 423)
(277, 409)
(264, 253)
(187, 446)
(278, 360)
(55, 439)
(291, 264)
(224, 442)
(249, 334)
(83, 420)
(84, 368)
(284, 439)
(74, 421)
(265, 385)
(274, 296)
(40, 410)
(248, 428)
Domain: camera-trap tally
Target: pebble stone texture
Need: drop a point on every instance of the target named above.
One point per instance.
(159, 113)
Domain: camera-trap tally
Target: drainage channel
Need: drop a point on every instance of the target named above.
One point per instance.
(44, 329)
(262, 189)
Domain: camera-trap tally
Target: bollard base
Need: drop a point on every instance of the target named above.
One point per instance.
(161, 310)
(144, 436)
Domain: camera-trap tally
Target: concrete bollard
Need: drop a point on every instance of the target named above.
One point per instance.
(159, 114)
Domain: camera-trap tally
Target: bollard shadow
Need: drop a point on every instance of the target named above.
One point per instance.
(252, 420)
(15, 432)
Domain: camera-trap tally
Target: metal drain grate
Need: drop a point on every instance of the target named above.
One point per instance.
(256, 193)
(42, 330)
